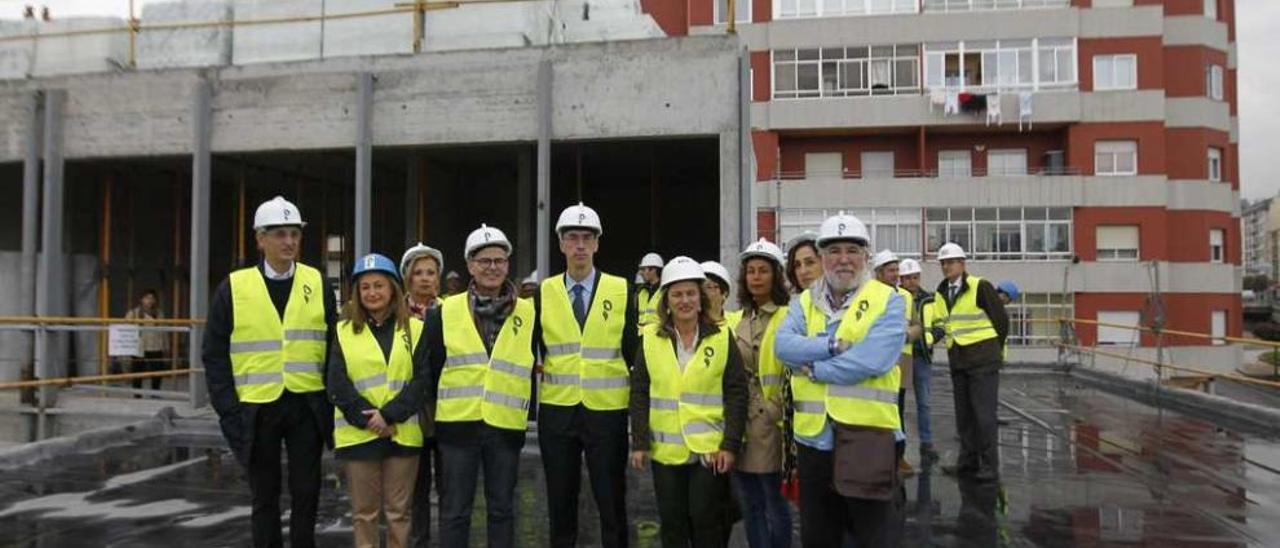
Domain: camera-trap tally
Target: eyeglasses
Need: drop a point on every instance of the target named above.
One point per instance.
(491, 262)
(579, 237)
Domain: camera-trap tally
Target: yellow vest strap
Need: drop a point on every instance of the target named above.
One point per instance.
(601, 353)
(553, 378)
(256, 346)
(668, 437)
(702, 427)
(460, 392)
(507, 401)
(510, 368)
(813, 407)
(302, 367)
(370, 382)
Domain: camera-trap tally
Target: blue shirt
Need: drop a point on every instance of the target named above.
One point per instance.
(875, 355)
(586, 284)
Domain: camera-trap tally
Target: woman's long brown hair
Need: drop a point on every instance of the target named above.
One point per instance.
(354, 312)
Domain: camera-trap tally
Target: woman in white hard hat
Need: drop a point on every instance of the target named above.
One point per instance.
(763, 296)
(377, 378)
(420, 268)
(688, 411)
(803, 264)
(718, 288)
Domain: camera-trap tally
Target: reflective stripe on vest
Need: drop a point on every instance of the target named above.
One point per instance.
(270, 354)
(584, 365)
(476, 385)
(874, 401)
(378, 380)
(809, 397)
(686, 411)
(965, 324)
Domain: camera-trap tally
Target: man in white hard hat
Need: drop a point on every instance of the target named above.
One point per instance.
(481, 350)
(887, 265)
(588, 336)
(921, 356)
(649, 291)
(842, 339)
(976, 327)
(265, 348)
(529, 285)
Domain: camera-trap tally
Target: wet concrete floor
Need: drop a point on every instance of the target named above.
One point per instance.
(1079, 468)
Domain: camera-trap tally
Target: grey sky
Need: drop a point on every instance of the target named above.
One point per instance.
(1258, 45)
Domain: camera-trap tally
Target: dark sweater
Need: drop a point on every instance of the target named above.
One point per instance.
(733, 386)
(343, 394)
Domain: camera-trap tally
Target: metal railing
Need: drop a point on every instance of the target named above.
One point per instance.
(854, 174)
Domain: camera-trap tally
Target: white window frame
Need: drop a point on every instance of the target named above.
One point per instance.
(802, 9)
(1007, 54)
(1218, 326)
(822, 158)
(1031, 314)
(1119, 336)
(1118, 254)
(1005, 171)
(1214, 157)
(1217, 245)
(877, 173)
(946, 6)
(1211, 9)
(1107, 70)
(1213, 76)
(718, 12)
(848, 71)
(1043, 234)
(947, 157)
(1107, 155)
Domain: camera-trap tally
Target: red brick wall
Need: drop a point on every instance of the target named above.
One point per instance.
(765, 145)
(1149, 135)
(1150, 51)
(671, 15)
(1187, 151)
(1184, 68)
(761, 73)
(1151, 222)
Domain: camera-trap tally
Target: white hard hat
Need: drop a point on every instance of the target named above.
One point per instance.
(807, 236)
(843, 227)
(651, 260)
(277, 212)
(712, 268)
(950, 250)
(764, 249)
(681, 269)
(485, 236)
(908, 267)
(882, 258)
(416, 252)
(579, 216)
(532, 278)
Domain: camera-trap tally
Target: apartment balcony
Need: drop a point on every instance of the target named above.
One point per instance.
(907, 110)
(1059, 187)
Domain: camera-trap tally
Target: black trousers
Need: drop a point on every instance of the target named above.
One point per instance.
(291, 421)
(149, 362)
(463, 456)
(693, 506)
(428, 466)
(977, 392)
(825, 516)
(565, 434)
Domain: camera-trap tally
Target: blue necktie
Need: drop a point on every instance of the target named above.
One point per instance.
(579, 306)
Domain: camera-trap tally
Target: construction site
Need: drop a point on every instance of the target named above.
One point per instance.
(134, 149)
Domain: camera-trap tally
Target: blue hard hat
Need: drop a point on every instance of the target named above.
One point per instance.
(374, 262)
(1009, 288)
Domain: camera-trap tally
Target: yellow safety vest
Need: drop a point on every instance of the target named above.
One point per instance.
(378, 380)
(476, 385)
(768, 367)
(809, 398)
(909, 301)
(874, 401)
(648, 307)
(686, 408)
(732, 319)
(270, 354)
(965, 324)
(585, 365)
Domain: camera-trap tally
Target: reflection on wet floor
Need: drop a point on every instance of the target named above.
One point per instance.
(1111, 472)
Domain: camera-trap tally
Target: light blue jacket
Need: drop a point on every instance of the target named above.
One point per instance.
(875, 355)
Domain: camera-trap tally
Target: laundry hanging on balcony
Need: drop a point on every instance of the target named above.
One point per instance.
(993, 110)
(1024, 109)
(973, 103)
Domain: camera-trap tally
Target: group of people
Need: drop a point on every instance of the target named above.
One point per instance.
(803, 383)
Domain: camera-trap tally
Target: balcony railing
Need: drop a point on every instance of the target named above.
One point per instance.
(990, 5)
(927, 174)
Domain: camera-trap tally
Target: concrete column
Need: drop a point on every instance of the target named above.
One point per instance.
(200, 190)
(526, 250)
(364, 162)
(52, 272)
(746, 164)
(30, 225)
(543, 232)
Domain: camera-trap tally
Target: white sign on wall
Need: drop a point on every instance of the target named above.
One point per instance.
(122, 340)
